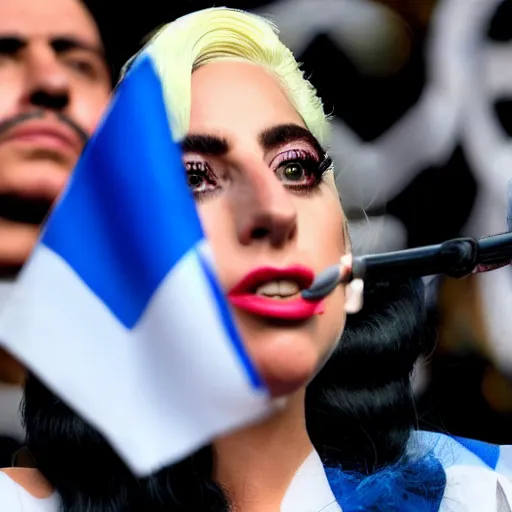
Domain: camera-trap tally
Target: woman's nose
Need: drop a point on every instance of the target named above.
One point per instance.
(264, 209)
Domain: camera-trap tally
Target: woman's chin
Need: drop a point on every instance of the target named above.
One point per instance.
(286, 371)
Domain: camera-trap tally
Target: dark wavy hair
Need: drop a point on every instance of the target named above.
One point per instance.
(360, 413)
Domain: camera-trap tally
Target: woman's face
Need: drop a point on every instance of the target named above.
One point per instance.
(272, 217)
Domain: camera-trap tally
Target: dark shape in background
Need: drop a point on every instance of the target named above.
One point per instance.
(500, 28)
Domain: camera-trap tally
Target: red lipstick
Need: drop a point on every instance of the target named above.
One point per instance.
(243, 295)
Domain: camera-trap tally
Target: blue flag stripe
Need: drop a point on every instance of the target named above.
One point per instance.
(128, 215)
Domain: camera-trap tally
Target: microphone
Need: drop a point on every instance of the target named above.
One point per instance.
(455, 258)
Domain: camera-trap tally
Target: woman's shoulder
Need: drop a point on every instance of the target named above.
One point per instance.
(26, 490)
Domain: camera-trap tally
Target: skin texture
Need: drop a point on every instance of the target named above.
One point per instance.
(254, 218)
(51, 65)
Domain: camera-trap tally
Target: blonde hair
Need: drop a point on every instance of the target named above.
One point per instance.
(220, 33)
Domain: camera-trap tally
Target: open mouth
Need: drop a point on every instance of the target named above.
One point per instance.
(275, 282)
(279, 290)
(275, 293)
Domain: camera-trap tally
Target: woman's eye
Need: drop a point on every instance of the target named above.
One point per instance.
(295, 174)
(198, 183)
(298, 169)
(195, 180)
(293, 171)
(200, 178)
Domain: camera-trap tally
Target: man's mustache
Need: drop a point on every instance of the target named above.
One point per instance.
(8, 124)
(31, 211)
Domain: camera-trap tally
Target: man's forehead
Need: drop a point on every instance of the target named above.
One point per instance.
(48, 18)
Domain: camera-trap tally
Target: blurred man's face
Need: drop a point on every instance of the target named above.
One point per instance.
(54, 85)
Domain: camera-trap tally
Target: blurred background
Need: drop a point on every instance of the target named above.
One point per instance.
(421, 97)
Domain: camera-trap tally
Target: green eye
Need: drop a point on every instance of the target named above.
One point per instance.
(293, 172)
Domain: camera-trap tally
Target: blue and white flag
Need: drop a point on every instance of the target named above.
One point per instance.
(118, 310)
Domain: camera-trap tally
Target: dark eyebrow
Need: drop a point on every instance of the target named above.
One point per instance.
(269, 139)
(285, 133)
(205, 145)
(66, 44)
(11, 43)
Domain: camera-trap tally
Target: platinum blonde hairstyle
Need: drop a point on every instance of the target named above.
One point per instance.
(220, 33)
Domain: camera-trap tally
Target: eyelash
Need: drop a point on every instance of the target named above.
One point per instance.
(311, 165)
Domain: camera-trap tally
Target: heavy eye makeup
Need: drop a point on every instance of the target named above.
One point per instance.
(300, 170)
(202, 180)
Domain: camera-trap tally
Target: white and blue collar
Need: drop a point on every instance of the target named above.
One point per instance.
(309, 490)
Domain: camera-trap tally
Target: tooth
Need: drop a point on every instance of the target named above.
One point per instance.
(270, 288)
(287, 288)
(278, 289)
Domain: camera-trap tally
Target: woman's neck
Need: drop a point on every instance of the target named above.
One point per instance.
(256, 465)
